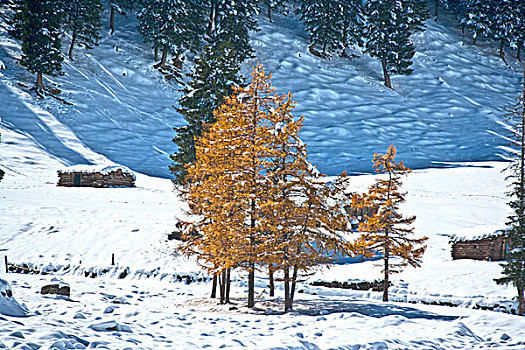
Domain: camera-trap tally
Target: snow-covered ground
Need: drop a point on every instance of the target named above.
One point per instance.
(450, 109)
(75, 230)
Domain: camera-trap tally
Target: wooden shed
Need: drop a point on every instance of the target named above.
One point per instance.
(96, 176)
(489, 247)
(359, 214)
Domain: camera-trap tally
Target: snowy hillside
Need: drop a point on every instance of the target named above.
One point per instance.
(455, 97)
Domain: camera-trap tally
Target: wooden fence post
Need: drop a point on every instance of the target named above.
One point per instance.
(112, 258)
(5, 259)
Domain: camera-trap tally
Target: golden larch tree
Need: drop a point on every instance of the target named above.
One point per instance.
(387, 231)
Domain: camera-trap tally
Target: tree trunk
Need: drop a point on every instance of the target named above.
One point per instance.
(227, 291)
(287, 289)
(521, 301)
(39, 81)
(388, 84)
(163, 59)
(222, 286)
(475, 39)
(156, 53)
(294, 283)
(272, 284)
(251, 285)
(214, 287)
(73, 40)
(387, 273)
(518, 54)
(112, 20)
(463, 29)
(270, 13)
(502, 49)
(212, 20)
(436, 12)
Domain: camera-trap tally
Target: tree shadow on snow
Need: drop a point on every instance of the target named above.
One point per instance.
(325, 307)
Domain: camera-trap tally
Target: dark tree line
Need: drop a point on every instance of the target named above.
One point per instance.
(383, 28)
(500, 20)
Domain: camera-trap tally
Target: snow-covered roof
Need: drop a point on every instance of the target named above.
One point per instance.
(104, 169)
(478, 232)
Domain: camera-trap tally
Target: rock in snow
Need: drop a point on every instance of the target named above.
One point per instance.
(56, 289)
(8, 305)
(110, 326)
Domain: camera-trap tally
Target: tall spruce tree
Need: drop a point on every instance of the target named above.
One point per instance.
(504, 22)
(216, 72)
(323, 20)
(517, 36)
(387, 230)
(514, 265)
(477, 18)
(232, 21)
(275, 6)
(172, 25)
(37, 23)
(82, 22)
(390, 23)
(353, 23)
(119, 6)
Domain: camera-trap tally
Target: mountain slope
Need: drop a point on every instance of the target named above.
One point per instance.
(449, 110)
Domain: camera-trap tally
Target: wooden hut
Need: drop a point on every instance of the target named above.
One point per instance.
(96, 176)
(359, 214)
(490, 247)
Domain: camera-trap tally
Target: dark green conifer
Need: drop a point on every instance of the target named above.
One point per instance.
(216, 70)
(514, 265)
(119, 6)
(232, 21)
(172, 25)
(82, 22)
(390, 24)
(37, 23)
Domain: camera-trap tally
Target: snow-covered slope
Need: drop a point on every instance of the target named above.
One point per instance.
(448, 110)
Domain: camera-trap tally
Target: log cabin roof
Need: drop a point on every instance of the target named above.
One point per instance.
(103, 169)
(479, 232)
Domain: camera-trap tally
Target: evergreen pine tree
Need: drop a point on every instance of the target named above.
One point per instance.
(37, 24)
(82, 21)
(120, 6)
(274, 5)
(323, 20)
(216, 70)
(390, 25)
(387, 230)
(514, 265)
(172, 25)
(476, 17)
(353, 23)
(232, 21)
(517, 32)
(504, 21)
(438, 4)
